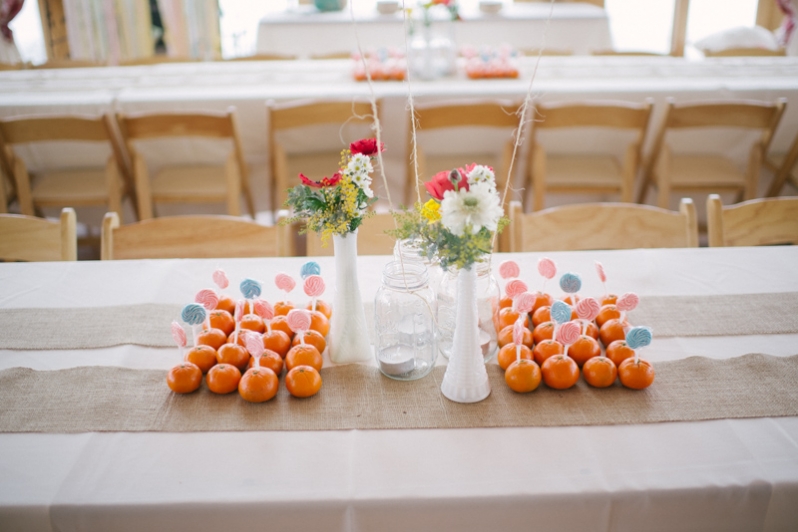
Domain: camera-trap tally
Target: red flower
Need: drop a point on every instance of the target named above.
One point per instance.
(441, 182)
(326, 182)
(367, 147)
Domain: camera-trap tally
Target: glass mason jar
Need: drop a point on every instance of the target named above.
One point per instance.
(432, 50)
(404, 310)
(488, 296)
(409, 250)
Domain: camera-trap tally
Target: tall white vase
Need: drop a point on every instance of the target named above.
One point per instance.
(466, 379)
(349, 333)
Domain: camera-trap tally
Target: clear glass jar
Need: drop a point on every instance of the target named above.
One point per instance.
(488, 296)
(404, 310)
(410, 250)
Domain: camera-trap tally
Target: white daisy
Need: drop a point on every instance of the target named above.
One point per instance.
(363, 181)
(359, 165)
(481, 174)
(471, 209)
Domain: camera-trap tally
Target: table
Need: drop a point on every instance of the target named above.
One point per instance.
(304, 32)
(739, 474)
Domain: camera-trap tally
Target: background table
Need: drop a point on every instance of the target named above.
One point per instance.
(577, 27)
(724, 475)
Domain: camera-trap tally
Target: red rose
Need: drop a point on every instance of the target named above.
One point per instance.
(326, 182)
(367, 147)
(441, 182)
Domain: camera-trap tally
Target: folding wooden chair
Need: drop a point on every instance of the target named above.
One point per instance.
(783, 166)
(586, 173)
(757, 222)
(603, 226)
(198, 236)
(29, 238)
(188, 182)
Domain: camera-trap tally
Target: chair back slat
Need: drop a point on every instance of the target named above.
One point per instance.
(477, 115)
(176, 125)
(758, 222)
(42, 129)
(29, 238)
(319, 113)
(624, 116)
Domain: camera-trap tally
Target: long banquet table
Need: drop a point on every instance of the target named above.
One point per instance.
(724, 475)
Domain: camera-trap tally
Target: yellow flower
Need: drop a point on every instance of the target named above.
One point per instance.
(431, 211)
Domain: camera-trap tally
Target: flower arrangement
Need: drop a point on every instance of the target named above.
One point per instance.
(456, 225)
(337, 205)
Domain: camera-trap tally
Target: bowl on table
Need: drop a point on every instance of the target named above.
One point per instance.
(490, 6)
(387, 7)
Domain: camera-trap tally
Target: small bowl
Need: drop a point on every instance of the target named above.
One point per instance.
(490, 6)
(387, 7)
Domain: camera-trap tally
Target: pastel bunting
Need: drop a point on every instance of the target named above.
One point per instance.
(220, 278)
(515, 288)
(627, 302)
(310, 268)
(570, 283)
(193, 314)
(207, 298)
(560, 312)
(525, 302)
(179, 334)
(568, 333)
(263, 308)
(509, 269)
(600, 272)
(284, 282)
(314, 286)
(547, 268)
(638, 337)
(298, 320)
(254, 343)
(250, 288)
(587, 309)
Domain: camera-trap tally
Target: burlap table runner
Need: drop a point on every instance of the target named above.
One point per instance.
(99, 399)
(148, 325)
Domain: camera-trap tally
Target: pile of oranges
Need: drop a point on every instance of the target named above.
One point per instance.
(222, 354)
(542, 357)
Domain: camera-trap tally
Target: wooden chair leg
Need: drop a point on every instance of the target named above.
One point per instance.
(233, 179)
(752, 174)
(630, 164)
(245, 185)
(539, 179)
(715, 221)
(663, 178)
(143, 194)
(113, 183)
(24, 195)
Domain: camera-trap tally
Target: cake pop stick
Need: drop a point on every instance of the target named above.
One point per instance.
(638, 337)
(299, 322)
(314, 287)
(254, 344)
(602, 277)
(568, 334)
(237, 316)
(571, 283)
(179, 335)
(309, 268)
(518, 337)
(627, 302)
(587, 310)
(547, 269)
(194, 315)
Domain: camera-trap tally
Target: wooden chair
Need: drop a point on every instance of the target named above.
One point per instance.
(263, 57)
(492, 115)
(783, 167)
(156, 60)
(586, 173)
(626, 53)
(371, 238)
(69, 63)
(603, 226)
(29, 238)
(286, 166)
(198, 236)
(332, 55)
(711, 172)
(757, 222)
(752, 52)
(64, 187)
(12, 66)
(534, 52)
(188, 183)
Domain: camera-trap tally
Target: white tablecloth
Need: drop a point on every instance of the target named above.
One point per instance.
(724, 475)
(305, 31)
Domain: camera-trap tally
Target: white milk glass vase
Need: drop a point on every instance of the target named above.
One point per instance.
(349, 340)
(466, 378)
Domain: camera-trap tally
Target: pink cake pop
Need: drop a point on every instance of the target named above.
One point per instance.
(179, 335)
(567, 334)
(627, 302)
(299, 322)
(314, 287)
(547, 269)
(208, 299)
(587, 309)
(254, 343)
(514, 288)
(509, 269)
(220, 278)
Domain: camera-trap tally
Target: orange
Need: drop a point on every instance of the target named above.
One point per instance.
(269, 359)
(592, 330)
(258, 385)
(609, 299)
(281, 308)
(277, 341)
(233, 354)
(227, 303)
(607, 312)
(279, 323)
(508, 316)
(585, 348)
(571, 300)
(618, 351)
(542, 300)
(611, 330)
(313, 338)
(522, 376)
(636, 374)
(223, 378)
(203, 356)
(222, 320)
(253, 322)
(507, 355)
(600, 372)
(319, 322)
(322, 306)
(546, 349)
(544, 331)
(506, 337)
(505, 302)
(303, 381)
(303, 355)
(184, 378)
(214, 338)
(560, 372)
(542, 314)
